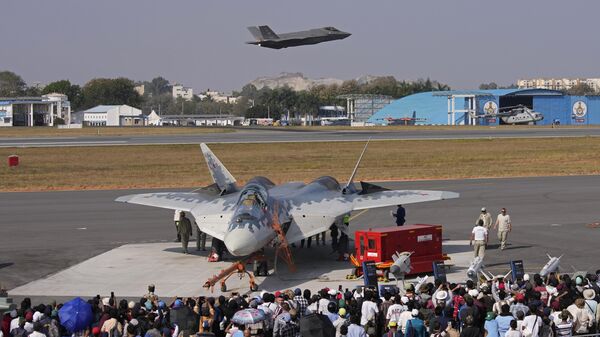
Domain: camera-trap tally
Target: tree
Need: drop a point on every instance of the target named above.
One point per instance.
(488, 86)
(157, 86)
(11, 84)
(73, 91)
(582, 89)
(110, 91)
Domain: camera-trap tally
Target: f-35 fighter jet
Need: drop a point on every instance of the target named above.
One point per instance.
(266, 37)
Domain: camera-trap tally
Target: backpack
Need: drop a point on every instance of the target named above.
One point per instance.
(410, 331)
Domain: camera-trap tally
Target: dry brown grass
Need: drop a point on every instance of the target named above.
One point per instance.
(104, 131)
(183, 165)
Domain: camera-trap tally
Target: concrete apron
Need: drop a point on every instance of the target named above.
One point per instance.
(127, 270)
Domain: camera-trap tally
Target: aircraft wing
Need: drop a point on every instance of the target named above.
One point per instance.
(398, 197)
(313, 216)
(212, 213)
(169, 200)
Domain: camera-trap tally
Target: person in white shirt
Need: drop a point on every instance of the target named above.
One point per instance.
(368, 310)
(394, 311)
(479, 239)
(532, 322)
(504, 226)
(513, 332)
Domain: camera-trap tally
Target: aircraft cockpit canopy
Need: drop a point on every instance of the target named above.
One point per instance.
(253, 196)
(331, 29)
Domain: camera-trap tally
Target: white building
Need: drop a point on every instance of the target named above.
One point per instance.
(113, 115)
(219, 97)
(35, 111)
(557, 83)
(183, 92)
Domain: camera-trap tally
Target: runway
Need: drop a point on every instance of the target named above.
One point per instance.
(300, 135)
(43, 233)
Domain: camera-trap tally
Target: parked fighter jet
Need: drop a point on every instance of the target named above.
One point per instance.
(265, 37)
(248, 218)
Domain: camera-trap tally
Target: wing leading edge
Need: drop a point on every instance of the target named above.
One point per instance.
(316, 216)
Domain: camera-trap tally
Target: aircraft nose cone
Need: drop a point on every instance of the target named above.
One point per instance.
(241, 241)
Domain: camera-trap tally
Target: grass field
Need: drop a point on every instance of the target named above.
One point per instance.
(183, 165)
(40, 131)
(16, 132)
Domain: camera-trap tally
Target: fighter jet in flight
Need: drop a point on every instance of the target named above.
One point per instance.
(266, 37)
(248, 218)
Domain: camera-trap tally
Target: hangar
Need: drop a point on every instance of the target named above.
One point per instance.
(479, 107)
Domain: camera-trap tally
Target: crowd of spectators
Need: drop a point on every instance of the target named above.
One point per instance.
(557, 306)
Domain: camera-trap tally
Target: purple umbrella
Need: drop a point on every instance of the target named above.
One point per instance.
(248, 316)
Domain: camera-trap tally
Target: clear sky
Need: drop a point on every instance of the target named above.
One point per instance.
(200, 43)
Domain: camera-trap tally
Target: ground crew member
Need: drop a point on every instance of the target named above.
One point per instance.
(334, 235)
(185, 231)
(479, 234)
(486, 217)
(504, 227)
(400, 215)
(200, 238)
(176, 218)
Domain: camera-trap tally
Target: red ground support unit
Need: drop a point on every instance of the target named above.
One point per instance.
(13, 160)
(378, 244)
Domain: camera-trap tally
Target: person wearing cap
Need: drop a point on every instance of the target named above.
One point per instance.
(591, 304)
(415, 327)
(479, 239)
(392, 330)
(185, 231)
(486, 217)
(491, 325)
(342, 319)
(504, 225)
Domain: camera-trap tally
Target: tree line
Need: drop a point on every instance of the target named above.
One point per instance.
(251, 102)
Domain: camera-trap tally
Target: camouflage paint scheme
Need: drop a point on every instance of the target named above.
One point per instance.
(242, 217)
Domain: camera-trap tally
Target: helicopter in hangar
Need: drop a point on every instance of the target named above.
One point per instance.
(517, 114)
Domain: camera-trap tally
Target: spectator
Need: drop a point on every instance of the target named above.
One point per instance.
(491, 325)
(513, 331)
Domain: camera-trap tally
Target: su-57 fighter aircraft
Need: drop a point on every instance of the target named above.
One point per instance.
(266, 37)
(248, 218)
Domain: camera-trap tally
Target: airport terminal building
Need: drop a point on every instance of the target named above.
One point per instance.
(481, 107)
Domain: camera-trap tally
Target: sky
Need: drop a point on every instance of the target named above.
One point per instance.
(200, 43)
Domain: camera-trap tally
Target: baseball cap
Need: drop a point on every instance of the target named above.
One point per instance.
(483, 209)
(392, 324)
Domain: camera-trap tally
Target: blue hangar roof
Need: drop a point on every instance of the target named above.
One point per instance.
(432, 106)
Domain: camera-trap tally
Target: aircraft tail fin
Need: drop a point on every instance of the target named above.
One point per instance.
(262, 33)
(350, 184)
(221, 176)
